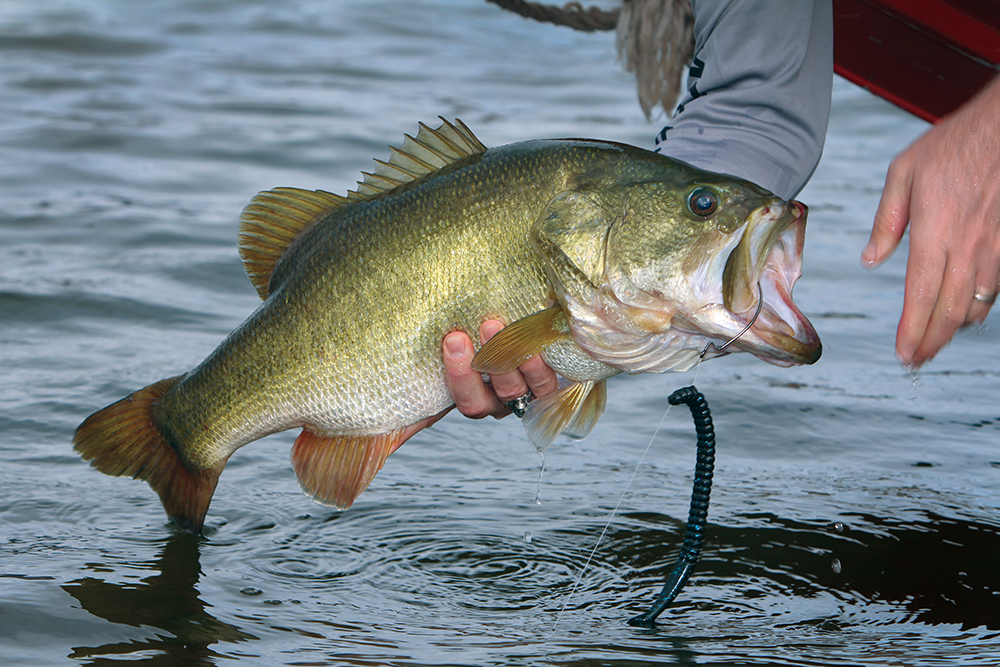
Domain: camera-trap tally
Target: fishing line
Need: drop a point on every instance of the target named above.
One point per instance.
(695, 532)
(760, 304)
(611, 518)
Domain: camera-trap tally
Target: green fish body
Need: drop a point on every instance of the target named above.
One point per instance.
(602, 257)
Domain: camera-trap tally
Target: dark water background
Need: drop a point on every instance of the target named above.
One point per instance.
(856, 510)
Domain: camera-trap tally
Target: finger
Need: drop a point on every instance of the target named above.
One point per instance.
(924, 276)
(541, 379)
(506, 386)
(951, 312)
(986, 287)
(472, 396)
(972, 268)
(892, 214)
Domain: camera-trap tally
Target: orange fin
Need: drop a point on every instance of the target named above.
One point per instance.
(122, 439)
(572, 411)
(335, 469)
(515, 344)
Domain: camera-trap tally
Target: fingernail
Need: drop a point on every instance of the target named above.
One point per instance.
(454, 347)
(489, 329)
(868, 256)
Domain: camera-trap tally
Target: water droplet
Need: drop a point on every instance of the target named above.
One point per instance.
(836, 566)
(538, 489)
(251, 591)
(838, 527)
(526, 537)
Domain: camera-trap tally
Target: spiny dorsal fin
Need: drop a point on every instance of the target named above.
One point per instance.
(271, 221)
(431, 150)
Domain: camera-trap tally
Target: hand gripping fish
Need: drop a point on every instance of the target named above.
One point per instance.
(602, 257)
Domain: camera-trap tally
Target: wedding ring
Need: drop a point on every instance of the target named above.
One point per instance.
(985, 296)
(520, 404)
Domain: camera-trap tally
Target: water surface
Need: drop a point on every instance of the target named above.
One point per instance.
(855, 517)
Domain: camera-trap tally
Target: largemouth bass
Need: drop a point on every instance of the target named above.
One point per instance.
(602, 257)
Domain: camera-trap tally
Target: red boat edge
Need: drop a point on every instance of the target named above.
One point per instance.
(925, 56)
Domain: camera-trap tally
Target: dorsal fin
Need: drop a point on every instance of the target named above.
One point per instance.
(271, 221)
(431, 150)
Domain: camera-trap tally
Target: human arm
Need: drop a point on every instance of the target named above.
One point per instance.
(946, 188)
(758, 98)
(761, 113)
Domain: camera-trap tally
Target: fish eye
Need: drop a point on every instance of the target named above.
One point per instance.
(703, 202)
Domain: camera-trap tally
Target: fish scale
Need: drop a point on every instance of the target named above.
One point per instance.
(584, 247)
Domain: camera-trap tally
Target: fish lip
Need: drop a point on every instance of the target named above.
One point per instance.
(781, 334)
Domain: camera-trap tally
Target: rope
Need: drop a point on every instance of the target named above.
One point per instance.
(572, 14)
(655, 39)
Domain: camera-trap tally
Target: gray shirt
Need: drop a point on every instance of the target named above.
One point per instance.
(758, 101)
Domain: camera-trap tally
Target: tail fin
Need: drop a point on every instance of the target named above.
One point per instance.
(123, 439)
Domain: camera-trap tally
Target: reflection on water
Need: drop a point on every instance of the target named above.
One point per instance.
(931, 568)
(854, 514)
(167, 601)
(763, 579)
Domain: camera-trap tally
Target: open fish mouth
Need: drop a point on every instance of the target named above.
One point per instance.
(770, 255)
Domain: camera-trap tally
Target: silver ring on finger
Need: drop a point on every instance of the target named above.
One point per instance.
(520, 404)
(986, 296)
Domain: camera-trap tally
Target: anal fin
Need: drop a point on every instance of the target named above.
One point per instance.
(572, 411)
(335, 469)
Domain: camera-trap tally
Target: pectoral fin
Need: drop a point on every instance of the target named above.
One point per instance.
(515, 344)
(335, 469)
(572, 411)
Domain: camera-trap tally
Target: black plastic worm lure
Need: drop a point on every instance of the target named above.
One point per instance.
(694, 535)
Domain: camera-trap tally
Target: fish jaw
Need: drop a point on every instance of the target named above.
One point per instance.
(713, 303)
(764, 267)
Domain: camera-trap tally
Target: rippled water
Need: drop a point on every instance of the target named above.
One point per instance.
(855, 518)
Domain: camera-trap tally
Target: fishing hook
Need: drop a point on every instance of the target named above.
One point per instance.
(760, 304)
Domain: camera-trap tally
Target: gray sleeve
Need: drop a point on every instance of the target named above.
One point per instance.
(758, 101)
